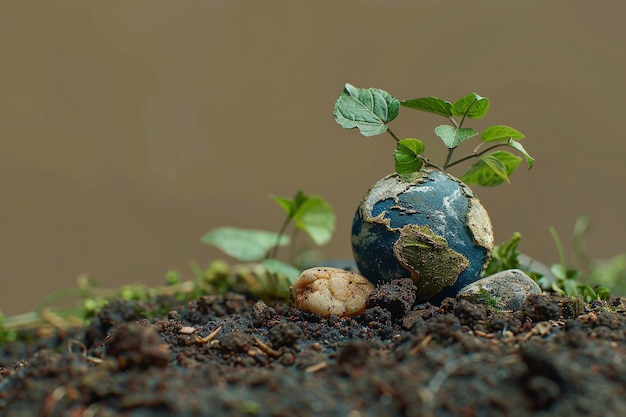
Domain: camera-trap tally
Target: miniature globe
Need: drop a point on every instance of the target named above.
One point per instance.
(431, 229)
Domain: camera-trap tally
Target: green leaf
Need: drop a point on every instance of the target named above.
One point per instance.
(492, 169)
(291, 206)
(505, 256)
(317, 218)
(453, 137)
(603, 293)
(246, 245)
(496, 166)
(286, 203)
(500, 132)
(406, 156)
(518, 146)
(571, 287)
(472, 106)
(275, 266)
(430, 104)
(368, 109)
(558, 271)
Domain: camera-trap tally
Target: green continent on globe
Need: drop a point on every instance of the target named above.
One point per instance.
(432, 263)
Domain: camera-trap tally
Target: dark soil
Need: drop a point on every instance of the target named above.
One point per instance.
(555, 357)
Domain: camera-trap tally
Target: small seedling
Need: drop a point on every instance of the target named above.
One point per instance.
(568, 281)
(263, 275)
(311, 214)
(564, 280)
(505, 256)
(484, 297)
(371, 110)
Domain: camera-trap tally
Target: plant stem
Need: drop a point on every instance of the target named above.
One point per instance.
(463, 118)
(559, 248)
(393, 135)
(456, 125)
(428, 163)
(446, 164)
(581, 226)
(475, 154)
(274, 252)
(292, 247)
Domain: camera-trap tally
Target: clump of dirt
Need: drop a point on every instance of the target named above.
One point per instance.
(233, 356)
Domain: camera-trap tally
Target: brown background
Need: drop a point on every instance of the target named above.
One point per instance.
(130, 128)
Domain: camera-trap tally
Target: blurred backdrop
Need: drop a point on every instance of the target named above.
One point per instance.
(130, 128)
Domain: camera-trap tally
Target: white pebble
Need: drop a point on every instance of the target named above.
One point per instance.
(327, 291)
(187, 330)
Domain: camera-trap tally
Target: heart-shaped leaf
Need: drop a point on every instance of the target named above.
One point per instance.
(246, 245)
(430, 104)
(492, 169)
(500, 132)
(472, 106)
(453, 137)
(368, 109)
(406, 156)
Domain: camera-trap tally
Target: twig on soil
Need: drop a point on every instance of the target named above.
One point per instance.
(425, 341)
(209, 337)
(265, 348)
(57, 321)
(541, 329)
(317, 367)
(83, 351)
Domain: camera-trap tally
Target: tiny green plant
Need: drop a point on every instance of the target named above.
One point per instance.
(560, 279)
(505, 256)
(609, 273)
(7, 334)
(371, 110)
(263, 275)
(568, 281)
(310, 214)
(490, 300)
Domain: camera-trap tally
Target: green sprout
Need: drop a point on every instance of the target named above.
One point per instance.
(371, 110)
(505, 256)
(7, 334)
(262, 275)
(310, 214)
(568, 281)
(576, 283)
(484, 297)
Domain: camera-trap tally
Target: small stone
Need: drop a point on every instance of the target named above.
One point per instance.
(506, 290)
(236, 342)
(409, 319)
(262, 313)
(327, 291)
(187, 330)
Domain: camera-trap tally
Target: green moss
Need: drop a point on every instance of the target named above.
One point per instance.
(484, 297)
(432, 263)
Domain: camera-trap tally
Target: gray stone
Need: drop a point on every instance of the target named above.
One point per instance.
(506, 290)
